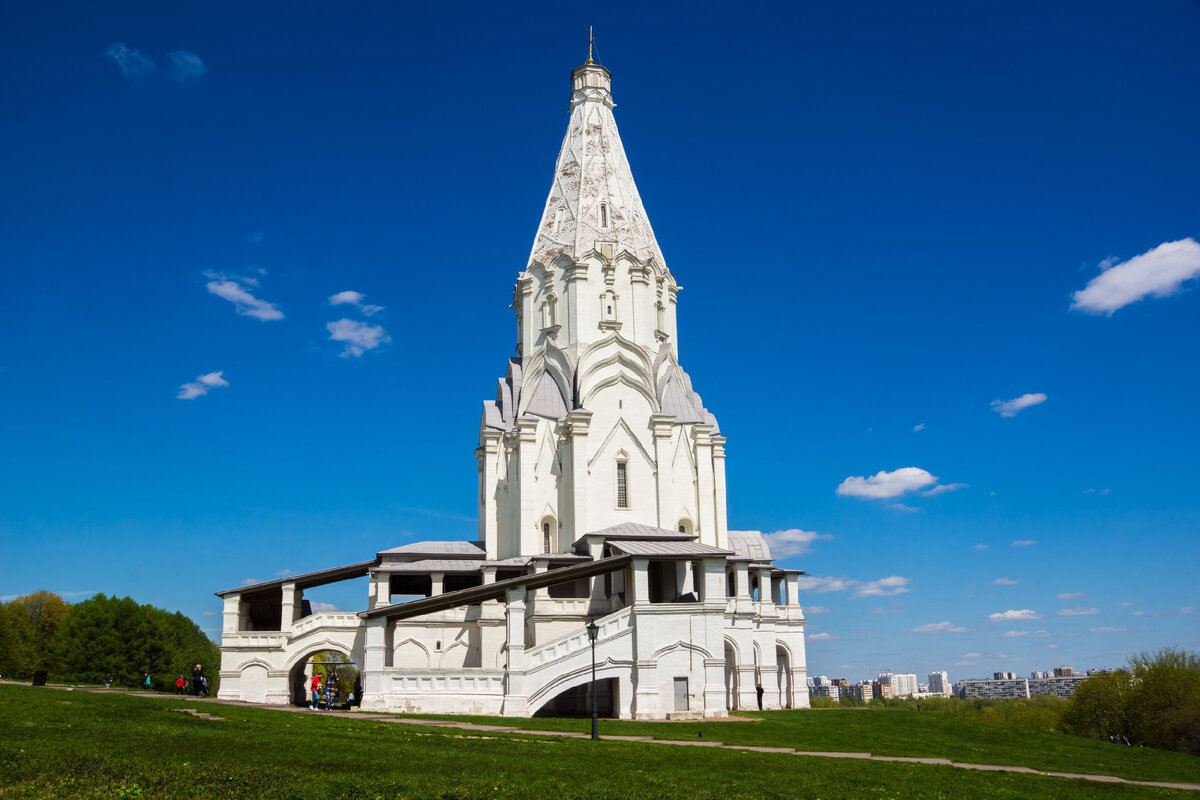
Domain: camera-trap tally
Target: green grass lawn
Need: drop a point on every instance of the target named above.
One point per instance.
(59, 744)
(900, 732)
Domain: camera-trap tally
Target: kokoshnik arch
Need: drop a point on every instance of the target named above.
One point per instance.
(601, 496)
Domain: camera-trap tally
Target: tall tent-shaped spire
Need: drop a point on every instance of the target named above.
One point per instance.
(594, 202)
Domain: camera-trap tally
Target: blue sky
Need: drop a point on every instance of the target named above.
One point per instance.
(889, 220)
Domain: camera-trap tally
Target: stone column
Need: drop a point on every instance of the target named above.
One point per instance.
(289, 612)
(232, 614)
(516, 704)
(374, 661)
(528, 532)
(381, 589)
(638, 587)
(793, 589)
(579, 422)
(718, 453)
(488, 455)
(436, 582)
(663, 476)
(706, 525)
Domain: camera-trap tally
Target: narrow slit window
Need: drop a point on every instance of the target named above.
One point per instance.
(545, 537)
(604, 215)
(622, 486)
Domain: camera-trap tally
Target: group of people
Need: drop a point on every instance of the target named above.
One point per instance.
(198, 685)
(325, 691)
(1122, 739)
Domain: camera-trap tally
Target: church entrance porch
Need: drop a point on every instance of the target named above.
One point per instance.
(340, 680)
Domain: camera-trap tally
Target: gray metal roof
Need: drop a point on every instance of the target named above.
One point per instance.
(307, 580)
(439, 548)
(547, 400)
(750, 544)
(667, 549)
(636, 530)
(432, 565)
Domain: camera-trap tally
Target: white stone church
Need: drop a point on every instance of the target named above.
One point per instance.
(601, 498)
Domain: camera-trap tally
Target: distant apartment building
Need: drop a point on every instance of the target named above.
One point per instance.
(881, 689)
(904, 684)
(1061, 686)
(1063, 672)
(860, 691)
(1004, 676)
(939, 683)
(827, 690)
(1015, 689)
(1038, 675)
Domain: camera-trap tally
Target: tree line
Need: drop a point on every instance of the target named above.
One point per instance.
(113, 637)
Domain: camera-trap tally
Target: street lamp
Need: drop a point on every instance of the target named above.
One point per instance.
(593, 631)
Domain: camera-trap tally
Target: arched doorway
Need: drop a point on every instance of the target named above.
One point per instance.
(783, 674)
(731, 677)
(341, 680)
(577, 701)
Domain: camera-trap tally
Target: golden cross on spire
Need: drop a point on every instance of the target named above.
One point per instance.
(591, 40)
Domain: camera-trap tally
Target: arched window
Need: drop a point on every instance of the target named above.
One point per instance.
(549, 534)
(622, 485)
(661, 316)
(604, 215)
(545, 537)
(550, 311)
(684, 526)
(558, 217)
(608, 306)
(731, 583)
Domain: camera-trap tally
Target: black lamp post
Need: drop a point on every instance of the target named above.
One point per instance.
(593, 631)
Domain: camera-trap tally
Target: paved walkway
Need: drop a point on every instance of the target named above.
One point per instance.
(492, 729)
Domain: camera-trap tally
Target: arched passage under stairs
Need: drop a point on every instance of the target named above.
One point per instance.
(341, 680)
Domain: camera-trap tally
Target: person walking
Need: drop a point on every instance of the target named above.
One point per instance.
(316, 691)
(179, 684)
(146, 681)
(197, 680)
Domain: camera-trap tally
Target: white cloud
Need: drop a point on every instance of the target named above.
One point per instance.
(211, 613)
(283, 573)
(816, 609)
(186, 67)
(972, 655)
(1188, 610)
(792, 542)
(1068, 595)
(981, 547)
(131, 62)
(318, 607)
(902, 507)
(202, 385)
(884, 587)
(1107, 629)
(919, 427)
(354, 299)
(1127, 604)
(1021, 634)
(1005, 582)
(819, 637)
(1096, 491)
(250, 581)
(945, 487)
(1024, 542)
(1010, 408)
(939, 627)
(1078, 611)
(885, 484)
(882, 610)
(964, 663)
(358, 337)
(1014, 614)
(1160, 272)
(246, 304)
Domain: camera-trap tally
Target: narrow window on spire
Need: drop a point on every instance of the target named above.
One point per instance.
(622, 486)
(604, 215)
(545, 537)
(558, 215)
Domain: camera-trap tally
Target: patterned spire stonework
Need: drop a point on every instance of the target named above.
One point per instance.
(593, 200)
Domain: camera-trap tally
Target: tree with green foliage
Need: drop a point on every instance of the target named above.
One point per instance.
(1099, 708)
(32, 621)
(117, 636)
(1156, 702)
(1164, 704)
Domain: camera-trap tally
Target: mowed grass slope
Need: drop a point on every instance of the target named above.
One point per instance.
(900, 732)
(59, 744)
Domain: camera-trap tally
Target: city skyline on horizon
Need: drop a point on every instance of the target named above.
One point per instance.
(251, 299)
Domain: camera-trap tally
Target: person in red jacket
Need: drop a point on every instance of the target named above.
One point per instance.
(316, 691)
(180, 685)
